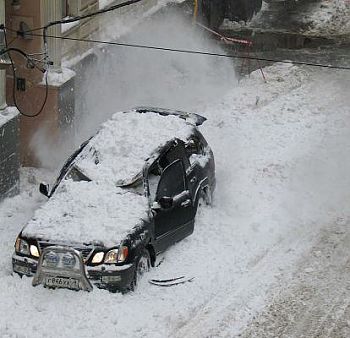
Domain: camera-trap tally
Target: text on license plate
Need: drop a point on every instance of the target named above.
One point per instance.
(62, 282)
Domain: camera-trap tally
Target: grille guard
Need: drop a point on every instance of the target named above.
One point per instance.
(78, 273)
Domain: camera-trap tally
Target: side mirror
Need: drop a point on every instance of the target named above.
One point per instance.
(44, 189)
(166, 202)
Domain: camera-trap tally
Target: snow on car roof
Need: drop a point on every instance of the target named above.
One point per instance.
(118, 151)
(83, 211)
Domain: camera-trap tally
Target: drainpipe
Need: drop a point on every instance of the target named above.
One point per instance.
(2, 72)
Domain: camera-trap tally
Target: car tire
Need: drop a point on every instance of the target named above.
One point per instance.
(205, 197)
(143, 264)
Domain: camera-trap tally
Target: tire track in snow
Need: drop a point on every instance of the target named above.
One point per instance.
(315, 302)
(232, 307)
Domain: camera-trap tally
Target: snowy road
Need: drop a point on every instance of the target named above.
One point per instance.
(282, 169)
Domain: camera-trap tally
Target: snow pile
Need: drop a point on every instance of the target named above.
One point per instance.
(104, 3)
(329, 17)
(7, 114)
(65, 27)
(58, 78)
(82, 212)
(119, 150)
(282, 167)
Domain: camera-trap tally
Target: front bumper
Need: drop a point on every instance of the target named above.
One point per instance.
(111, 277)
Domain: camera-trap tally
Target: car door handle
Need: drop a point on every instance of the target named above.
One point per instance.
(186, 203)
(193, 179)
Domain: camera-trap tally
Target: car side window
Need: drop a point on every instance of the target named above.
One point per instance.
(176, 152)
(172, 181)
(195, 150)
(153, 179)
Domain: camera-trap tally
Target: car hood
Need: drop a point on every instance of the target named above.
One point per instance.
(85, 212)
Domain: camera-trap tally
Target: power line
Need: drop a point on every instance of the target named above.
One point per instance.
(80, 17)
(33, 62)
(158, 48)
(195, 52)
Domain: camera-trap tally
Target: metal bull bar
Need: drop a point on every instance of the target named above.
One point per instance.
(62, 267)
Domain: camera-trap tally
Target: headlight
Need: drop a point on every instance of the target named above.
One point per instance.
(22, 246)
(98, 257)
(34, 250)
(111, 256)
(117, 255)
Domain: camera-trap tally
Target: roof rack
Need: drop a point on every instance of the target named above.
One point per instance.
(189, 117)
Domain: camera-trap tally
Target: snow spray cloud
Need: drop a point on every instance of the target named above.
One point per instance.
(123, 78)
(119, 78)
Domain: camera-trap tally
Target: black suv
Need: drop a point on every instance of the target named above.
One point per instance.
(124, 196)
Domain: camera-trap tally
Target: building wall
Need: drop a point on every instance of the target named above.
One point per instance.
(9, 126)
(29, 94)
(9, 158)
(28, 87)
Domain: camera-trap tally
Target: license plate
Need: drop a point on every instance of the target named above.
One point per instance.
(21, 269)
(61, 282)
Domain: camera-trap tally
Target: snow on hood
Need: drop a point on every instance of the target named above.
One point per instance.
(119, 150)
(82, 212)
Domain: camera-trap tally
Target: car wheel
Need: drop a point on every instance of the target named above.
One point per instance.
(205, 197)
(143, 265)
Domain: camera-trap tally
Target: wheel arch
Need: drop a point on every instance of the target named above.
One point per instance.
(152, 253)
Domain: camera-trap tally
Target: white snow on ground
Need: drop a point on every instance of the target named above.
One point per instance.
(319, 18)
(329, 17)
(281, 151)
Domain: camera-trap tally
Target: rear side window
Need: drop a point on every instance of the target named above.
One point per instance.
(197, 150)
(194, 146)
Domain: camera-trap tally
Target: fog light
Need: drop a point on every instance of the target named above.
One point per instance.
(51, 259)
(21, 269)
(68, 260)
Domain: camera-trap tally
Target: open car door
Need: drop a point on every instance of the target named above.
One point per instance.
(173, 218)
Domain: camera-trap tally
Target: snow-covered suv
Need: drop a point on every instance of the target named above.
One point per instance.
(124, 196)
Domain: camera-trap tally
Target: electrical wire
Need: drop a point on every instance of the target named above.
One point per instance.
(33, 61)
(80, 17)
(196, 52)
(13, 68)
(183, 51)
